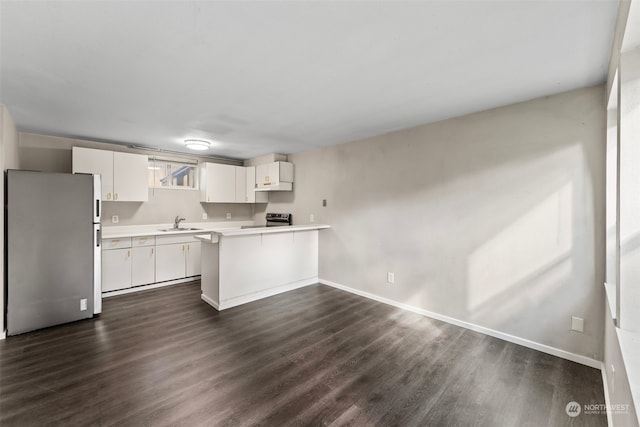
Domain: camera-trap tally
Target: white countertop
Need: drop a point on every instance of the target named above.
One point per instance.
(226, 228)
(115, 232)
(269, 230)
(229, 232)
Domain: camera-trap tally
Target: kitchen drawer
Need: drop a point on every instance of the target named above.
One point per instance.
(176, 238)
(144, 241)
(123, 242)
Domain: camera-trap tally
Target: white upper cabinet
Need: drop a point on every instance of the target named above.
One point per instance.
(130, 172)
(218, 183)
(276, 175)
(228, 184)
(252, 195)
(86, 160)
(241, 184)
(124, 175)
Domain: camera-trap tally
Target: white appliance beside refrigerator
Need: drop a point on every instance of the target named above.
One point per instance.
(53, 249)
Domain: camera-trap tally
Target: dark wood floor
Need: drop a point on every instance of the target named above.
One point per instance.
(314, 356)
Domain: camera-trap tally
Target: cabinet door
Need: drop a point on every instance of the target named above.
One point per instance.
(143, 265)
(221, 183)
(130, 177)
(88, 160)
(193, 259)
(116, 269)
(262, 174)
(273, 172)
(170, 262)
(254, 196)
(241, 185)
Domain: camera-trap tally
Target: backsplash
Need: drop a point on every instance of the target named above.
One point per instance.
(164, 205)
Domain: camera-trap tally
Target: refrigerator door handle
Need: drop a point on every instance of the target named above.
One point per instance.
(97, 197)
(98, 237)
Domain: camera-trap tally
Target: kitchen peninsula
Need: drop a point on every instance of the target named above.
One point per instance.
(244, 265)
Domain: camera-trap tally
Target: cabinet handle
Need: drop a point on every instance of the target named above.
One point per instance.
(152, 249)
(182, 248)
(188, 248)
(208, 198)
(108, 196)
(115, 196)
(128, 254)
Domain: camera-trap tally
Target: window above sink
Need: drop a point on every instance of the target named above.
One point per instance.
(173, 174)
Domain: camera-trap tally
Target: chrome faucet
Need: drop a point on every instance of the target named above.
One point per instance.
(176, 222)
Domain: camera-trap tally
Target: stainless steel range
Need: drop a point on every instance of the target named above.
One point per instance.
(279, 219)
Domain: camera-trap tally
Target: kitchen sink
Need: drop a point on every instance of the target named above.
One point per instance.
(180, 229)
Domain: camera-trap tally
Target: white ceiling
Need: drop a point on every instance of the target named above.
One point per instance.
(285, 76)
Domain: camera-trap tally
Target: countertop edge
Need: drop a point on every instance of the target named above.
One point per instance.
(268, 230)
(154, 229)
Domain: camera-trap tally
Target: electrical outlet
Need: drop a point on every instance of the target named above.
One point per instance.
(115, 219)
(83, 304)
(228, 215)
(204, 215)
(391, 278)
(577, 324)
(312, 218)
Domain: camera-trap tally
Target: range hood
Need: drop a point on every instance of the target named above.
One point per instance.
(280, 186)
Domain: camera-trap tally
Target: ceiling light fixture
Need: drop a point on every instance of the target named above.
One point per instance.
(197, 144)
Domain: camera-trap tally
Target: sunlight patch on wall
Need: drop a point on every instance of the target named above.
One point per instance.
(534, 241)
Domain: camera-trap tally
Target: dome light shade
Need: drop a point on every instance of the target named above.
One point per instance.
(197, 144)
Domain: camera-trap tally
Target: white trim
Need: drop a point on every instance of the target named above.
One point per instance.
(147, 287)
(243, 299)
(209, 301)
(578, 358)
(610, 293)
(3, 335)
(607, 400)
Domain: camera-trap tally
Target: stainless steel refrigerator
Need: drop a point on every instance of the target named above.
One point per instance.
(53, 253)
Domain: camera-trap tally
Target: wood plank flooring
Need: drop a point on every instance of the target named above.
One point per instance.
(314, 356)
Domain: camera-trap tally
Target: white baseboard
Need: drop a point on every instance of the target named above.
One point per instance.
(147, 287)
(243, 299)
(209, 301)
(607, 399)
(3, 335)
(578, 358)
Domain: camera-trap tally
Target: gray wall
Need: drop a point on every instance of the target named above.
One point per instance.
(53, 154)
(9, 159)
(496, 218)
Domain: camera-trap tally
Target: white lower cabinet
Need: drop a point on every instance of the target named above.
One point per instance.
(170, 261)
(177, 260)
(138, 261)
(116, 269)
(143, 265)
(192, 259)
